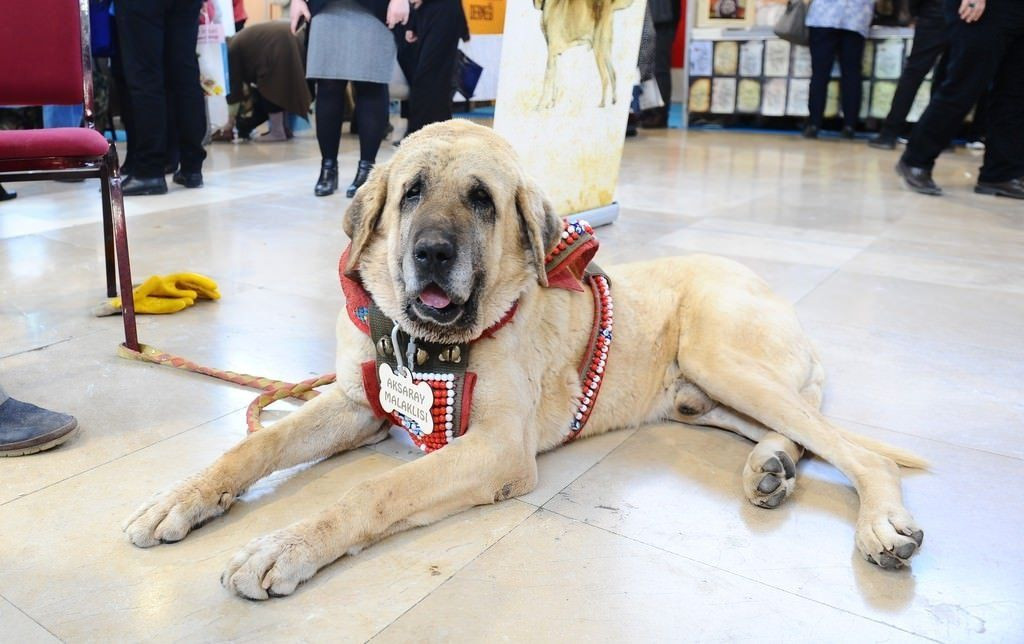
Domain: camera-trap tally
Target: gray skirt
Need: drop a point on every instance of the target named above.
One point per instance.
(346, 42)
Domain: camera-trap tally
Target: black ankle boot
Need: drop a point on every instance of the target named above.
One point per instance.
(362, 171)
(328, 181)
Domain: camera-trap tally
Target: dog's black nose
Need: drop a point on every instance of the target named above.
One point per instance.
(434, 251)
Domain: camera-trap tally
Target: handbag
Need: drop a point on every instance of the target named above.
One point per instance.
(792, 25)
(212, 52)
(650, 95)
(466, 75)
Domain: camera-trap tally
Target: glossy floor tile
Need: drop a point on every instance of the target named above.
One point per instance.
(554, 579)
(678, 488)
(914, 303)
(80, 576)
(18, 627)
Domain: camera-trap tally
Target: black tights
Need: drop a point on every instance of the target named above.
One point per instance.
(371, 114)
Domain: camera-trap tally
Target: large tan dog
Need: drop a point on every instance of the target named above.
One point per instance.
(454, 211)
(568, 23)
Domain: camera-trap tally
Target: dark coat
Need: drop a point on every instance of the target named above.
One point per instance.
(269, 56)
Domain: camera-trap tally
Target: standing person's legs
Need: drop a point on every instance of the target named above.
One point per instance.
(931, 39)
(408, 58)
(372, 112)
(974, 54)
(330, 112)
(978, 128)
(430, 88)
(824, 43)
(124, 96)
(1004, 144)
(851, 52)
(140, 29)
(183, 81)
(664, 36)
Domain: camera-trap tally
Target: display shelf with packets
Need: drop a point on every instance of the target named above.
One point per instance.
(768, 77)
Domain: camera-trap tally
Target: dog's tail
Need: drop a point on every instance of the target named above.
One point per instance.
(900, 455)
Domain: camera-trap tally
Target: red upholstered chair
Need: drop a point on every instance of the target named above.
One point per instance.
(46, 60)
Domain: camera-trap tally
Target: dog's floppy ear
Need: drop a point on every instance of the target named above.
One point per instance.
(364, 213)
(540, 225)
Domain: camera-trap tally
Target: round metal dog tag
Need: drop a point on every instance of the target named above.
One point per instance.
(398, 393)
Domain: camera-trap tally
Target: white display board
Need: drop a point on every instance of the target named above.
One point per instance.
(565, 114)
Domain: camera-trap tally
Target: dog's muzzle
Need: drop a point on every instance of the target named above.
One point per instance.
(436, 296)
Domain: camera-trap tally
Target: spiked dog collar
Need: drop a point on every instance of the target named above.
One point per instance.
(425, 388)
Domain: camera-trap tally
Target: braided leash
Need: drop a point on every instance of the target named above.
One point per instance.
(273, 390)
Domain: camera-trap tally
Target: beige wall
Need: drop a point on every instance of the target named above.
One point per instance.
(257, 10)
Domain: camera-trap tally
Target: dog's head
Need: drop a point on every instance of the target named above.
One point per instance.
(450, 232)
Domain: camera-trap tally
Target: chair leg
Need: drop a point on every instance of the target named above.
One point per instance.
(108, 230)
(131, 337)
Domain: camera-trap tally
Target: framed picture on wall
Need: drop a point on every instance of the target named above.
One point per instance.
(731, 14)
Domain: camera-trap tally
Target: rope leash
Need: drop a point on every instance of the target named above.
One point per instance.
(273, 390)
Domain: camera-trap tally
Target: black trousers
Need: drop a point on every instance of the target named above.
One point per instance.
(429, 63)
(987, 52)
(826, 43)
(664, 36)
(158, 52)
(931, 42)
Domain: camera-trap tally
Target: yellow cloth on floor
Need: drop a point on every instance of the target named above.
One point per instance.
(165, 294)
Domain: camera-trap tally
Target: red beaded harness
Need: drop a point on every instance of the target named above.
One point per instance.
(443, 366)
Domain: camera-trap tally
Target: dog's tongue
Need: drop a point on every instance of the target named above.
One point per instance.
(434, 297)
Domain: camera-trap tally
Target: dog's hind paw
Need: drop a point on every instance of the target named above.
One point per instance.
(271, 566)
(768, 477)
(888, 538)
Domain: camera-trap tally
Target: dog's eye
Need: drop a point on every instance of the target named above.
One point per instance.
(413, 192)
(480, 198)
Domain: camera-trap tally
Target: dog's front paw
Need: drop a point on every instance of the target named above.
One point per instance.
(170, 515)
(272, 565)
(888, 538)
(768, 477)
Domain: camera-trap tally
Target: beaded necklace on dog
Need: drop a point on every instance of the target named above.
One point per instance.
(424, 387)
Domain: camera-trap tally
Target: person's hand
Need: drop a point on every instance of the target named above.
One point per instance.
(971, 10)
(398, 13)
(416, 4)
(410, 37)
(299, 10)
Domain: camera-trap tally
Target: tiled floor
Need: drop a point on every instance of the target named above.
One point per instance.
(916, 305)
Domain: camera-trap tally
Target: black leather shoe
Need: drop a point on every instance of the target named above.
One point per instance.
(918, 179)
(327, 183)
(362, 171)
(7, 196)
(810, 132)
(137, 186)
(27, 429)
(1014, 188)
(847, 133)
(882, 142)
(188, 179)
